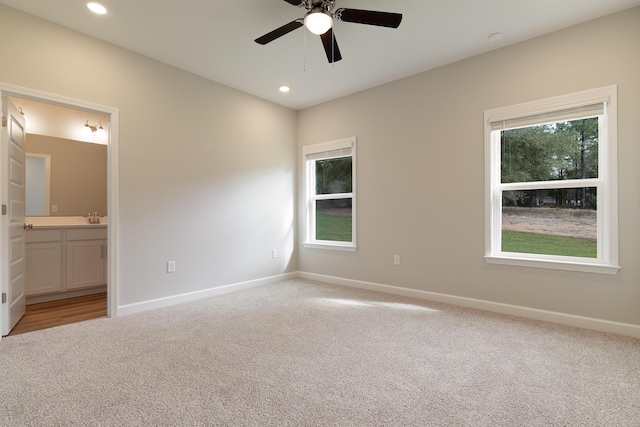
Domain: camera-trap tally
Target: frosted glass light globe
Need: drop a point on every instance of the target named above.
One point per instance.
(318, 22)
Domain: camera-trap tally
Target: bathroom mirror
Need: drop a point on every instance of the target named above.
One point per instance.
(37, 184)
(76, 172)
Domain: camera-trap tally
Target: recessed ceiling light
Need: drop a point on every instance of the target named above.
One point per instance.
(495, 36)
(97, 8)
(284, 88)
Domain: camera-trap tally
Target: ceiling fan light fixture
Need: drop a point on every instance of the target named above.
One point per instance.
(318, 22)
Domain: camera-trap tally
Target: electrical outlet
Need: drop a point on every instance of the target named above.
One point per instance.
(171, 266)
(274, 253)
(396, 260)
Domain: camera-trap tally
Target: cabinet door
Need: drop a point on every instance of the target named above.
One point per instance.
(85, 264)
(43, 268)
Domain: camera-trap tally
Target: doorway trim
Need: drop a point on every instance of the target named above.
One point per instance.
(112, 174)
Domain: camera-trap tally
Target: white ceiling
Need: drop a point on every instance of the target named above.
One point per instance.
(215, 38)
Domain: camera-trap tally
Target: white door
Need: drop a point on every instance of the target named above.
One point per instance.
(13, 197)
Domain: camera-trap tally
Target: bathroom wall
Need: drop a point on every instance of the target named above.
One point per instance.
(78, 174)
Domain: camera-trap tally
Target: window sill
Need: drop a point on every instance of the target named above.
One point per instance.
(331, 246)
(553, 264)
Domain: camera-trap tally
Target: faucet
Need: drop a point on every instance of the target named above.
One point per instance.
(93, 219)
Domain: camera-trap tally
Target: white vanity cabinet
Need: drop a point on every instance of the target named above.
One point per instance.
(43, 251)
(65, 260)
(86, 258)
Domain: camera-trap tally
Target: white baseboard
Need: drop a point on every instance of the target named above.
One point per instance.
(138, 307)
(495, 307)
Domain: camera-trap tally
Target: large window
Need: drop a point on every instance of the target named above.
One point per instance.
(551, 183)
(330, 194)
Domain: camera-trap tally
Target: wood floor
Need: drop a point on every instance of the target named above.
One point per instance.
(62, 312)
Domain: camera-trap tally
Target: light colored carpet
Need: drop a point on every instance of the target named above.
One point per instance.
(302, 353)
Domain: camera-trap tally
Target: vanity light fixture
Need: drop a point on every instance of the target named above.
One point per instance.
(96, 8)
(96, 130)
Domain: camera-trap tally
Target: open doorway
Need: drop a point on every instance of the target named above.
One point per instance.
(70, 248)
(65, 213)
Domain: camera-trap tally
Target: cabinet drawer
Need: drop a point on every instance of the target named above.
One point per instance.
(32, 236)
(83, 234)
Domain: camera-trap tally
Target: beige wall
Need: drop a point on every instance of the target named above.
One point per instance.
(207, 173)
(420, 171)
(78, 174)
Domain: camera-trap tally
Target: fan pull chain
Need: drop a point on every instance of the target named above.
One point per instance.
(333, 45)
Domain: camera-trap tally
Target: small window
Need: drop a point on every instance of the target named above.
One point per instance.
(330, 195)
(551, 183)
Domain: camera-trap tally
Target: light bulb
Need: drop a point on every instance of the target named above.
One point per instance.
(97, 8)
(101, 133)
(86, 129)
(318, 22)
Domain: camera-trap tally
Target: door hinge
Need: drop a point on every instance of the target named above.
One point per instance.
(4, 209)
(4, 121)
(4, 297)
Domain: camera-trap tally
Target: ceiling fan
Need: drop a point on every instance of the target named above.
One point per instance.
(319, 20)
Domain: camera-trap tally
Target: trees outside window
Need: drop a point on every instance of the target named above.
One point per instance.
(551, 183)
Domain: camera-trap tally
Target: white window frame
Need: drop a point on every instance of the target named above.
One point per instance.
(606, 183)
(322, 151)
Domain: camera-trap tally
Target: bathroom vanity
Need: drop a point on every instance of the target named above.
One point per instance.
(64, 258)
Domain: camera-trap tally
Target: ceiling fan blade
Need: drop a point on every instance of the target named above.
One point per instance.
(369, 17)
(279, 32)
(331, 46)
(295, 2)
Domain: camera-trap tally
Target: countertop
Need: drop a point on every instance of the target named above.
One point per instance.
(42, 222)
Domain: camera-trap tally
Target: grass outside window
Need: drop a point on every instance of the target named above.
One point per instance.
(547, 244)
